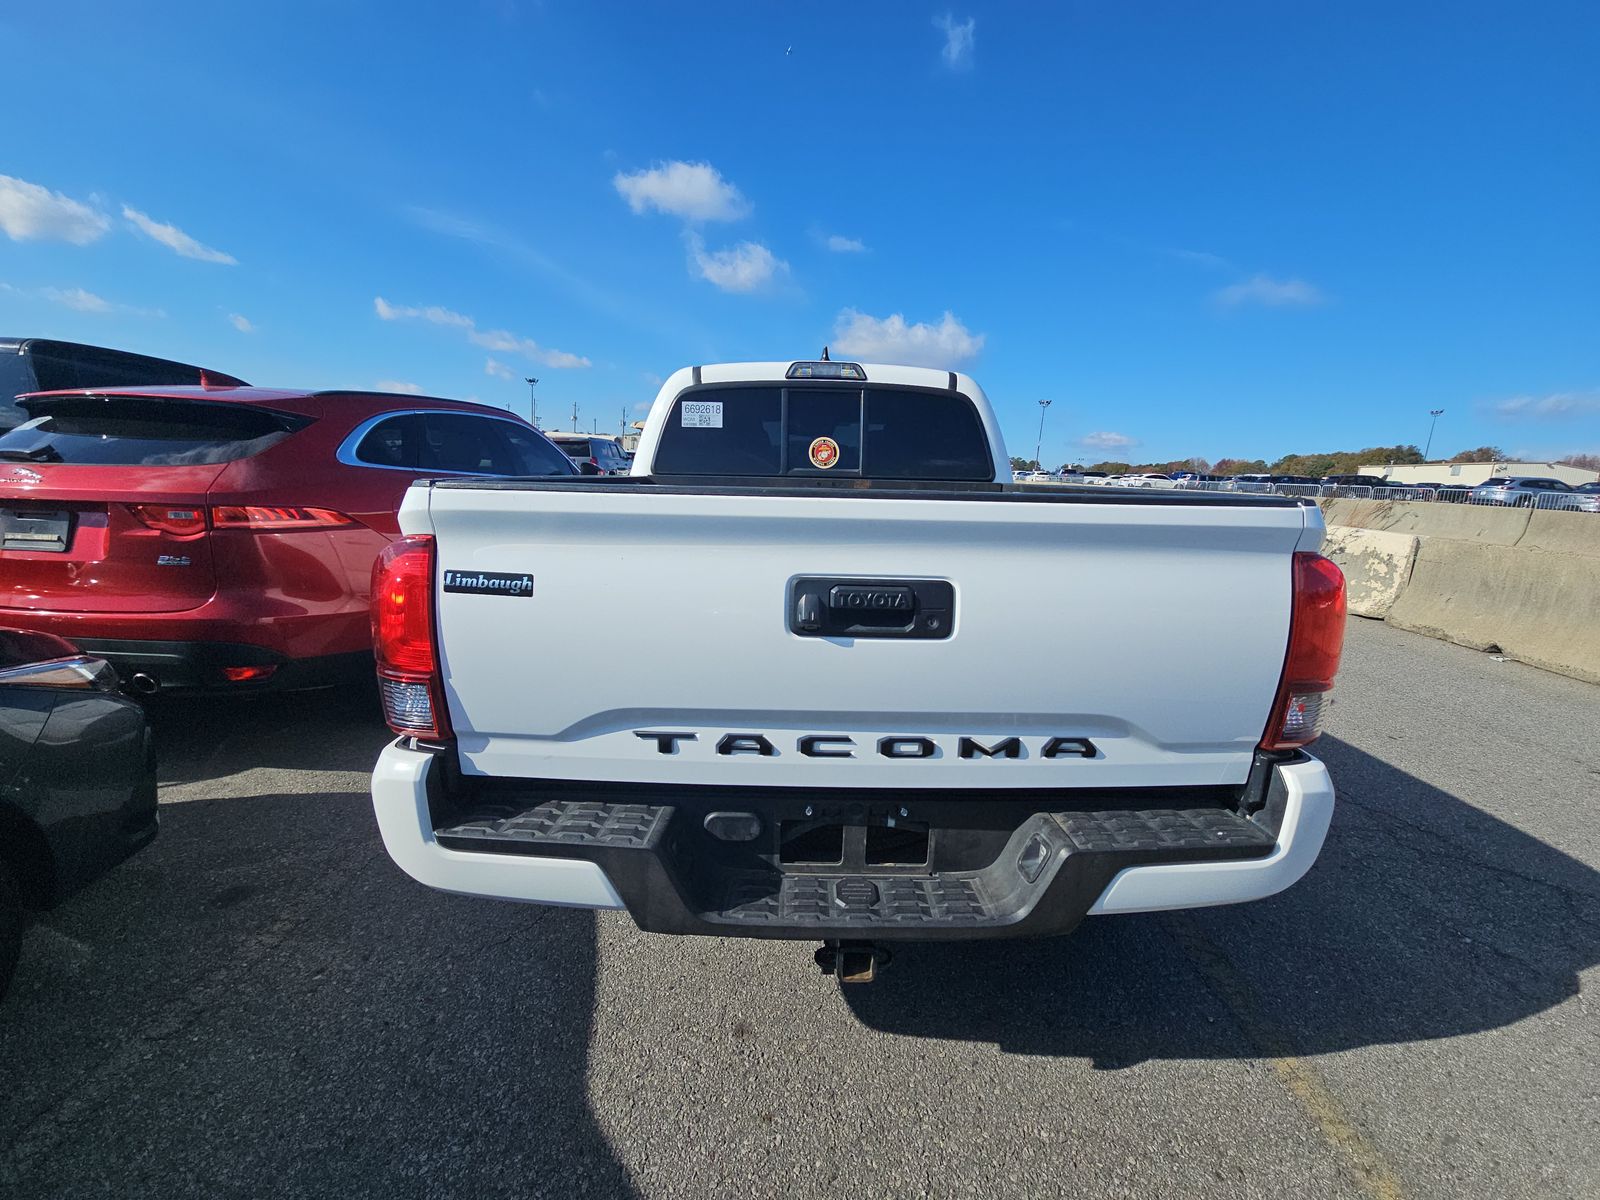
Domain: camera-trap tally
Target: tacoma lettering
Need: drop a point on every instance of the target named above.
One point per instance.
(895, 746)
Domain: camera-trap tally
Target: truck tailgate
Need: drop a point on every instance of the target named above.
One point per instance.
(1147, 636)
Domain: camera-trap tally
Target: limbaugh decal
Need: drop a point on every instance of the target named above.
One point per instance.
(488, 583)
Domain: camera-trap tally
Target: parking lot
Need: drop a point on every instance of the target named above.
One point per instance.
(261, 1003)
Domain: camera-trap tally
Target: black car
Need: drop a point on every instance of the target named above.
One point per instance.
(44, 365)
(1353, 480)
(77, 778)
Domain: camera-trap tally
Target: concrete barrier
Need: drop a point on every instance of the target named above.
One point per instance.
(1518, 580)
(1558, 532)
(1376, 565)
(1468, 522)
(1535, 607)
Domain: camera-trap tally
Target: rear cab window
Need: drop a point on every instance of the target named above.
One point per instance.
(142, 431)
(824, 431)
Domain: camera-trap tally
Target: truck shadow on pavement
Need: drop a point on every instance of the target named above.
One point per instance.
(260, 1002)
(1423, 918)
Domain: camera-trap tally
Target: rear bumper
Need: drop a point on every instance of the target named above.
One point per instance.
(1029, 874)
(187, 650)
(198, 666)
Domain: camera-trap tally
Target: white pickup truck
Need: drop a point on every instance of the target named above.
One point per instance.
(874, 691)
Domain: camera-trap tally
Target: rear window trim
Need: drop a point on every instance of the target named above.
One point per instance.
(785, 386)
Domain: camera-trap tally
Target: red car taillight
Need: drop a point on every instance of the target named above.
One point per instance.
(185, 521)
(176, 519)
(403, 639)
(1316, 638)
(271, 517)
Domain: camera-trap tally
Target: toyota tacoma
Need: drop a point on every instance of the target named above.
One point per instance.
(875, 692)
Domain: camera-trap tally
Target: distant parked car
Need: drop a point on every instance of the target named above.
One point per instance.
(77, 779)
(1588, 488)
(1148, 479)
(602, 452)
(1250, 483)
(224, 538)
(42, 365)
(1353, 480)
(1526, 491)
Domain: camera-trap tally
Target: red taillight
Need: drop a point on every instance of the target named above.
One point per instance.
(249, 674)
(177, 519)
(403, 639)
(1316, 638)
(186, 520)
(270, 517)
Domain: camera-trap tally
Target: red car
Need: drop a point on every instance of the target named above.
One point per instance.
(223, 538)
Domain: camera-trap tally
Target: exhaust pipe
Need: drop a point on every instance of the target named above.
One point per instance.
(144, 685)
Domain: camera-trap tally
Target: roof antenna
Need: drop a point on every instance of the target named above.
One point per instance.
(825, 357)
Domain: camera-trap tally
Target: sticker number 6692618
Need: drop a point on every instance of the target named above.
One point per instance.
(701, 414)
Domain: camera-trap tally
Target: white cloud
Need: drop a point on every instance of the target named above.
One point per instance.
(433, 313)
(891, 340)
(1555, 406)
(490, 339)
(747, 267)
(958, 40)
(845, 245)
(642, 407)
(82, 300)
(241, 323)
(1107, 441)
(496, 369)
(1273, 293)
(1201, 258)
(175, 239)
(77, 299)
(693, 191)
(29, 212)
(561, 359)
(399, 385)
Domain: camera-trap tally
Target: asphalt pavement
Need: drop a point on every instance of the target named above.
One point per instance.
(261, 1004)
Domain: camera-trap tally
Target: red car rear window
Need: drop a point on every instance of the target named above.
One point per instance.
(142, 431)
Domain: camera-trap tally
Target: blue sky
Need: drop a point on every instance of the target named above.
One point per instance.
(1222, 229)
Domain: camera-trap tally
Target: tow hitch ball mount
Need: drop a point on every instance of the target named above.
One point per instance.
(852, 962)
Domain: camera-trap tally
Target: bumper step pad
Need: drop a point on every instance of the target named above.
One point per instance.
(852, 901)
(569, 823)
(1163, 829)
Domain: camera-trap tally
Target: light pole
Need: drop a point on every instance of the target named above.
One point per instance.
(1039, 449)
(1435, 413)
(533, 403)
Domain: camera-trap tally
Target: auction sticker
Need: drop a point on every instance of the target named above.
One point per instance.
(701, 414)
(824, 452)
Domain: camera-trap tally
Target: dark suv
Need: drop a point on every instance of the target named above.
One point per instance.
(42, 365)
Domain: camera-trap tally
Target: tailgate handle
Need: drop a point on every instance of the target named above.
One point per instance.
(871, 608)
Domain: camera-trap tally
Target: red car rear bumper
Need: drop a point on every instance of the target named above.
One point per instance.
(192, 650)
